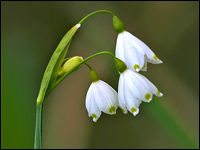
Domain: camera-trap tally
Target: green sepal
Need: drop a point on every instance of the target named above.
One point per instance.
(120, 65)
(93, 76)
(118, 25)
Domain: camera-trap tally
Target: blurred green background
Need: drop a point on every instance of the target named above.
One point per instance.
(30, 32)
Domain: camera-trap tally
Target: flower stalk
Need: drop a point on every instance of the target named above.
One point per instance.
(38, 127)
(94, 13)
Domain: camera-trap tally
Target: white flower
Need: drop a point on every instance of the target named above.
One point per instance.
(134, 52)
(134, 88)
(101, 97)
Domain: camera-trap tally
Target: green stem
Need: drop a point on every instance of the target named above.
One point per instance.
(38, 128)
(84, 61)
(94, 13)
(88, 66)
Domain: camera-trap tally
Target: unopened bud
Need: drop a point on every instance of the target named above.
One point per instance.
(70, 64)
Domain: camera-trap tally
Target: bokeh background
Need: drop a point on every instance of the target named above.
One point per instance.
(30, 32)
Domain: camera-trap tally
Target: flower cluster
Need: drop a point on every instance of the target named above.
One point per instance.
(131, 56)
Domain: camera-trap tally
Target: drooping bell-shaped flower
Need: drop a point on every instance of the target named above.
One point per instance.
(132, 50)
(100, 97)
(133, 89)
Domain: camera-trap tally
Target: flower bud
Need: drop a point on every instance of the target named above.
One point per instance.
(118, 25)
(70, 64)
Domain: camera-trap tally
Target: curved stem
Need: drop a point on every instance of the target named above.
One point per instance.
(94, 13)
(88, 66)
(85, 60)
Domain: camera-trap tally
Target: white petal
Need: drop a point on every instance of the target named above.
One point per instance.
(91, 106)
(140, 87)
(152, 58)
(144, 68)
(152, 87)
(106, 98)
(122, 102)
(146, 87)
(133, 59)
(88, 98)
(110, 93)
(143, 48)
(132, 102)
(99, 100)
(119, 52)
(139, 45)
(94, 111)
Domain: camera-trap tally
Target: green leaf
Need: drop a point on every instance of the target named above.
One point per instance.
(55, 62)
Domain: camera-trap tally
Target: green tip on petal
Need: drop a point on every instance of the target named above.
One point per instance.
(112, 109)
(94, 116)
(158, 92)
(123, 110)
(133, 110)
(143, 66)
(136, 67)
(155, 57)
(148, 96)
